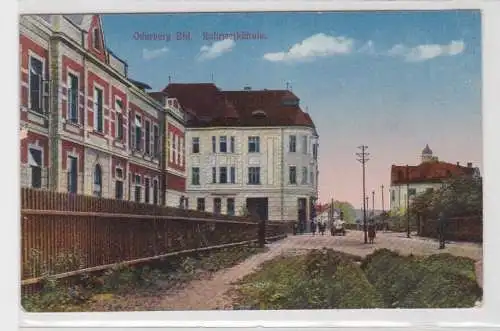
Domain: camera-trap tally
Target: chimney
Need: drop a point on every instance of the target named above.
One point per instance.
(458, 164)
(469, 164)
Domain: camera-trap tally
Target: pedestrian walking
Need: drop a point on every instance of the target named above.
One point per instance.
(313, 227)
(372, 230)
(322, 227)
(441, 230)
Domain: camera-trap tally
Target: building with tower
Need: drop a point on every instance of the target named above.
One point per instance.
(408, 181)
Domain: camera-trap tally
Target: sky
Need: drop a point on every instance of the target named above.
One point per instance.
(394, 81)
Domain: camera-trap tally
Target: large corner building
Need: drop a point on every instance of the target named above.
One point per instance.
(90, 129)
(249, 151)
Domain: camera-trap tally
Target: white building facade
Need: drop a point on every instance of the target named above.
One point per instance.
(227, 166)
(244, 156)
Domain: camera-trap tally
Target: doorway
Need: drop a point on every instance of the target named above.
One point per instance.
(258, 207)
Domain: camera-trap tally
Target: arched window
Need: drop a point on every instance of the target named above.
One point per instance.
(98, 181)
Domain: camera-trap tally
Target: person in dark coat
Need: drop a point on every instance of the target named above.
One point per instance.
(294, 228)
(441, 230)
(313, 227)
(322, 227)
(371, 231)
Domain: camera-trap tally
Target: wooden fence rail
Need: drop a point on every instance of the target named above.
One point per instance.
(63, 232)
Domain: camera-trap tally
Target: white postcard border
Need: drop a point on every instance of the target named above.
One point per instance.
(415, 318)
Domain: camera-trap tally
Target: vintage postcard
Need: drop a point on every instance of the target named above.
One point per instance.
(251, 161)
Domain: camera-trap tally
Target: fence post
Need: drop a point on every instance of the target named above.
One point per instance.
(262, 233)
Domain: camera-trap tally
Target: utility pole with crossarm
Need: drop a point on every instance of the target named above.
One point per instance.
(363, 158)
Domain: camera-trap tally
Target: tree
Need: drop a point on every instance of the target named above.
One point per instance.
(459, 196)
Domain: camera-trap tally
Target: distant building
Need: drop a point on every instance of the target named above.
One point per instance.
(410, 181)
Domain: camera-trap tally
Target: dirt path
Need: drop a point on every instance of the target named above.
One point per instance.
(211, 293)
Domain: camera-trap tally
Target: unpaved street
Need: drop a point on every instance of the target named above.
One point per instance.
(206, 294)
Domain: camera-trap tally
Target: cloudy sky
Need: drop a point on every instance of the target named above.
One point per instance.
(394, 81)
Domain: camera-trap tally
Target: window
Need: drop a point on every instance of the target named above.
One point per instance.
(429, 190)
(155, 192)
(72, 98)
(196, 145)
(412, 192)
(97, 181)
(292, 174)
(182, 202)
(393, 195)
(233, 175)
(147, 190)
(254, 175)
(186, 203)
(232, 147)
(254, 144)
(35, 164)
(147, 138)
(214, 144)
(304, 144)
(217, 206)
(304, 175)
(315, 151)
(200, 204)
(230, 206)
(170, 151)
(72, 174)
(119, 119)
(138, 133)
(36, 84)
(311, 176)
(97, 40)
(214, 175)
(174, 150)
(181, 151)
(98, 111)
(156, 141)
(195, 176)
(137, 192)
(223, 175)
(293, 144)
(119, 184)
(223, 144)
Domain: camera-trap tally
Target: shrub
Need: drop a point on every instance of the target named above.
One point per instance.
(428, 282)
(443, 290)
(322, 279)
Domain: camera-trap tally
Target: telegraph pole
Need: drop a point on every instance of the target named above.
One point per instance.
(363, 158)
(382, 190)
(373, 203)
(407, 202)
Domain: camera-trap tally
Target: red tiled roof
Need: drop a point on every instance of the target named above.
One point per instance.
(321, 208)
(213, 107)
(433, 171)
